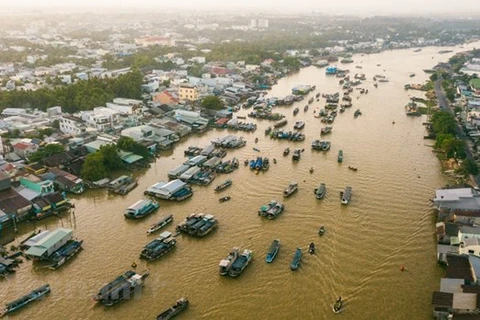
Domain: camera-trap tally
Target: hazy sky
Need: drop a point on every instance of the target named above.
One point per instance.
(327, 6)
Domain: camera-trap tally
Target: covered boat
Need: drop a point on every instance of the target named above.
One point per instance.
(241, 263)
(158, 247)
(226, 264)
(223, 185)
(198, 224)
(65, 253)
(320, 191)
(223, 199)
(296, 154)
(357, 113)
(326, 130)
(297, 258)
(141, 208)
(177, 308)
(272, 251)
(286, 151)
(299, 125)
(124, 287)
(272, 210)
(26, 299)
(346, 195)
(160, 224)
(292, 188)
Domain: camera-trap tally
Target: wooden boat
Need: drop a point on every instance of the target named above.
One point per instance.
(357, 113)
(292, 187)
(226, 264)
(272, 251)
(338, 305)
(340, 156)
(297, 258)
(160, 224)
(124, 287)
(272, 210)
(223, 199)
(26, 299)
(326, 130)
(241, 263)
(305, 109)
(295, 111)
(320, 191)
(65, 253)
(274, 161)
(346, 195)
(311, 248)
(286, 151)
(311, 170)
(158, 247)
(223, 185)
(321, 231)
(177, 308)
(296, 155)
(353, 168)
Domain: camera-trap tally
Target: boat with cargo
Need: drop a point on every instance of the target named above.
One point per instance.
(65, 253)
(297, 258)
(346, 195)
(241, 263)
(226, 264)
(223, 185)
(124, 287)
(158, 247)
(175, 190)
(198, 224)
(141, 208)
(122, 185)
(340, 156)
(320, 191)
(271, 210)
(290, 189)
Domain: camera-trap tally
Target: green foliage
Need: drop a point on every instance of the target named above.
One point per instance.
(111, 160)
(56, 124)
(469, 167)
(128, 144)
(82, 95)
(443, 122)
(93, 168)
(212, 102)
(47, 151)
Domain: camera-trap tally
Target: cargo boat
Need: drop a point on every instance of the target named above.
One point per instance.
(272, 251)
(160, 224)
(123, 287)
(241, 263)
(173, 311)
(141, 208)
(158, 247)
(26, 299)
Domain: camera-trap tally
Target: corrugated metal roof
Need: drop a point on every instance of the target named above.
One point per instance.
(44, 244)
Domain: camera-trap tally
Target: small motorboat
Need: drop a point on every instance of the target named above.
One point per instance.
(297, 258)
(338, 305)
(311, 248)
(245, 162)
(353, 168)
(256, 140)
(286, 151)
(274, 161)
(311, 170)
(160, 224)
(272, 251)
(321, 231)
(223, 199)
(290, 189)
(255, 149)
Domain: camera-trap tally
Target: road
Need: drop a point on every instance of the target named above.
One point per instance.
(445, 105)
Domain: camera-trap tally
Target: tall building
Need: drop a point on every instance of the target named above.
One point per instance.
(263, 23)
(253, 23)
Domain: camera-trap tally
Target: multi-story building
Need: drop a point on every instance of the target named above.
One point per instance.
(263, 23)
(71, 125)
(187, 92)
(101, 118)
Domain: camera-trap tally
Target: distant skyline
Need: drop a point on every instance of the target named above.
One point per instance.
(361, 7)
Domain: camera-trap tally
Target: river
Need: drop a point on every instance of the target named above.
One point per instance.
(388, 223)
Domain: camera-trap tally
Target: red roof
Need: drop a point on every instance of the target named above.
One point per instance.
(21, 146)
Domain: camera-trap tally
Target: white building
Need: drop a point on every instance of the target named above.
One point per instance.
(71, 125)
(263, 23)
(101, 118)
(253, 23)
(139, 133)
(126, 106)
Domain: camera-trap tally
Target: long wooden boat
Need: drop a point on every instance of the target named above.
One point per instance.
(223, 185)
(272, 251)
(173, 311)
(160, 224)
(26, 299)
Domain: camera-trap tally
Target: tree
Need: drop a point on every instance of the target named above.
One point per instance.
(47, 151)
(93, 168)
(56, 124)
(443, 122)
(212, 102)
(469, 167)
(128, 144)
(111, 160)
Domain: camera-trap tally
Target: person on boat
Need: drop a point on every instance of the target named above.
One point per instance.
(134, 265)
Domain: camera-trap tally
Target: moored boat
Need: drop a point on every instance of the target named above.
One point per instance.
(65, 253)
(241, 263)
(226, 264)
(223, 185)
(286, 151)
(340, 156)
(357, 113)
(297, 258)
(299, 125)
(320, 191)
(353, 168)
(198, 224)
(295, 111)
(160, 224)
(26, 299)
(326, 130)
(292, 187)
(141, 208)
(296, 154)
(272, 251)
(177, 308)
